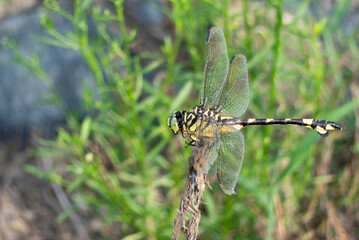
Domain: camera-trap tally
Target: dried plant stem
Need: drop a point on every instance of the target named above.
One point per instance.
(189, 215)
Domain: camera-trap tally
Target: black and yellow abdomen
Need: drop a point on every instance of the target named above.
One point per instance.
(320, 126)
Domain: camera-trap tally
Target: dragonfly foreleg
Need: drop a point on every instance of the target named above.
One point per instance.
(191, 143)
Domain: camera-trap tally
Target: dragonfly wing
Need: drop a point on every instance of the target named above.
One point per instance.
(234, 97)
(206, 149)
(215, 68)
(230, 160)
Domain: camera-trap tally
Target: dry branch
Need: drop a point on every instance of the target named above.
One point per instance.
(189, 215)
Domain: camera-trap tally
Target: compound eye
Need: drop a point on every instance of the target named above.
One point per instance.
(174, 121)
(173, 124)
(177, 114)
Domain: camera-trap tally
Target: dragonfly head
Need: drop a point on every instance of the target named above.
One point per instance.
(174, 122)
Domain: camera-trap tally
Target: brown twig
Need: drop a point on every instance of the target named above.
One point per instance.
(189, 215)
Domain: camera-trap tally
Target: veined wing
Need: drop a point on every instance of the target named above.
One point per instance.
(234, 96)
(230, 160)
(215, 68)
(205, 151)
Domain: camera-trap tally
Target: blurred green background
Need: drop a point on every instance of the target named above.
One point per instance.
(120, 161)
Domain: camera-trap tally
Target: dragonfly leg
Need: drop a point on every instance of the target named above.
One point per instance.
(191, 143)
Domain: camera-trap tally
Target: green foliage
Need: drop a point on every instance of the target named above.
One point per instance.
(126, 165)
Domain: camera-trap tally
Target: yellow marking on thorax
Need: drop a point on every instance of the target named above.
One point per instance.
(251, 120)
(193, 128)
(193, 137)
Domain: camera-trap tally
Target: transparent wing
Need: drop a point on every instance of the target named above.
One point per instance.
(234, 97)
(205, 151)
(230, 160)
(215, 68)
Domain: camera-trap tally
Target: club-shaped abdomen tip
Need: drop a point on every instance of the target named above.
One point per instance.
(323, 127)
(337, 126)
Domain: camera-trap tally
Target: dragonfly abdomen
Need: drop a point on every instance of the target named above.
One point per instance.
(320, 126)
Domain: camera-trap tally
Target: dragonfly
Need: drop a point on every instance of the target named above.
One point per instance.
(214, 125)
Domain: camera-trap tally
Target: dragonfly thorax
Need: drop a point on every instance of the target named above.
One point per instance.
(187, 122)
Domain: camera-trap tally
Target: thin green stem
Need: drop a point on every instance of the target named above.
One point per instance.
(276, 50)
(248, 39)
(273, 75)
(81, 30)
(122, 26)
